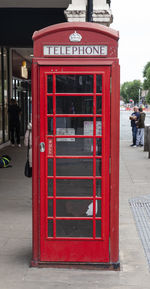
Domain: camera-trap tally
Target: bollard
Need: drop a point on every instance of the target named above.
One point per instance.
(146, 139)
(148, 142)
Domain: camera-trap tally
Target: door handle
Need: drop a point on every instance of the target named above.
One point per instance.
(42, 147)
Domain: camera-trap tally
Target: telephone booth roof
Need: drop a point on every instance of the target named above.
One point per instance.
(90, 33)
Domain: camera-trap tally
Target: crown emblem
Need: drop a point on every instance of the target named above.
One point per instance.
(75, 37)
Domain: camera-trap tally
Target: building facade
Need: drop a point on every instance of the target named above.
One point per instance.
(23, 18)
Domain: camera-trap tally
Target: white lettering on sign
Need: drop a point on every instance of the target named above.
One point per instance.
(87, 50)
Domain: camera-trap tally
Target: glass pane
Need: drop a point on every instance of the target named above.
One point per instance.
(77, 188)
(98, 188)
(74, 104)
(98, 104)
(76, 147)
(98, 126)
(50, 105)
(50, 125)
(73, 208)
(50, 167)
(49, 83)
(74, 125)
(50, 187)
(6, 95)
(1, 108)
(98, 229)
(74, 83)
(50, 228)
(50, 208)
(98, 146)
(74, 228)
(98, 167)
(74, 167)
(98, 208)
(99, 83)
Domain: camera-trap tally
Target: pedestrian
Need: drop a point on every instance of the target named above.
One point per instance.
(140, 128)
(28, 142)
(14, 122)
(134, 118)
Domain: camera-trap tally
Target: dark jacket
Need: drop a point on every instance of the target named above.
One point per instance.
(134, 121)
(141, 121)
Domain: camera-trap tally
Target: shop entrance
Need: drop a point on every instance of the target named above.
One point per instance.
(74, 161)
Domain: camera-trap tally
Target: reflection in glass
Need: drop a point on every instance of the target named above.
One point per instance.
(1, 108)
(74, 83)
(98, 229)
(49, 83)
(74, 167)
(50, 167)
(74, 228)
(74, 125)
(98, 208)
(50, 105)
(98, 188)
(98, 126)
(99, 105)
(98, 146)
(50, 228)
(77, 188)
(50, 187)
(50, 208)
(72, 208)
(74, 146)
(98, 167)
(50, 125)
(99, 83)
(74, 104)
(5, 94)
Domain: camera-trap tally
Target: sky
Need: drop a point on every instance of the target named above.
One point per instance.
(132, 20)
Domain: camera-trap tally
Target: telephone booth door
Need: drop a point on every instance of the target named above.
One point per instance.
(74, 163)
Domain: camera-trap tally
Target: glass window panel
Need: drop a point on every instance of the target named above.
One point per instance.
(98, 146)
(74, 228)
(50, 105)
(50, 228)
(50, 187)
(98, 208)
(99, 83)
(76, 147)
(74, 167)
(73, 208)
(50, 167)
(50, 125)
(98, 104)
(50, 208)
(5, 94)
(74, 104)
(74, 83)
(98, 126)
(49, 83)
(98, 229)
(98, 167)
(74, 125)
(77, 188)
(98, 188)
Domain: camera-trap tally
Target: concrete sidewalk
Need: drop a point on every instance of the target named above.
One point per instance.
(15, 231)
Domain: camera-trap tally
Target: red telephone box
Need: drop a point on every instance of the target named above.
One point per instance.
(75, 145)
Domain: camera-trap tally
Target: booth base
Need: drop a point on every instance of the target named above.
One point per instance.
(82, 266)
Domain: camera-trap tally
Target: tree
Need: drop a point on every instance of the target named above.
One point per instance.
(130, 90)
(146, 84)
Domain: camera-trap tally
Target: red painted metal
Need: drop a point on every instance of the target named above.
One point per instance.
(104, 249)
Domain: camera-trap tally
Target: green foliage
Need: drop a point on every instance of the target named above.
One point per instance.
(146, 84)
(130, 90)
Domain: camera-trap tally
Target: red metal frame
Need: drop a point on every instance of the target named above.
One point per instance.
(92, 34)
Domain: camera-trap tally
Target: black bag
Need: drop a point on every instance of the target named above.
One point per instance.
(28, 169)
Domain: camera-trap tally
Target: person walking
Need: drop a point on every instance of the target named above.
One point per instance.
(134, 118)
(14, 122)
(28, 142)
(140, 128)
